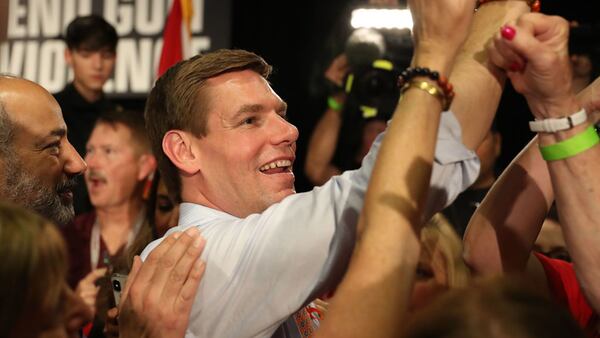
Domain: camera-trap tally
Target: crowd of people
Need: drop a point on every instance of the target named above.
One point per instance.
(194, 199)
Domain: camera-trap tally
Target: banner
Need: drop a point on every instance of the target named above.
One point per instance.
(33, 47)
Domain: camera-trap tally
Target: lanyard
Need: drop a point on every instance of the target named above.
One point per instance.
(95, 238)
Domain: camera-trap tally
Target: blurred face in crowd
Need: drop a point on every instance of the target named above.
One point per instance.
(441, 266)
(39, 165)
(166, 213)
(116, 166)
(91, 69)
(431, 279)
(245, 160)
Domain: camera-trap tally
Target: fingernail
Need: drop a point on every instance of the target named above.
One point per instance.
(508, 32)
(515, 66)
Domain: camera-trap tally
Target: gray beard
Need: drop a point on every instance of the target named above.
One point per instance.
(28, 191)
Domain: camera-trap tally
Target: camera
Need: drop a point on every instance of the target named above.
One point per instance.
(117, 282)
(376, 58)
(116, 285)
(371, 91)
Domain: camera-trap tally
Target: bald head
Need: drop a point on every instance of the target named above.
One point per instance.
(37, 162)
(20, 96)
(21, 102)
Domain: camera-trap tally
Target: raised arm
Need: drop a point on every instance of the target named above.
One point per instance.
(323, 142)
(382, 269)
(540, 39)
(577, 186)
(503, 229)
(539, 45)
(480, 81)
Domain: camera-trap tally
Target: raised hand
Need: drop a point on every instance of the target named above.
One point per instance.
(534, 52)
(87, 288)
(440, 27)
(337, 70)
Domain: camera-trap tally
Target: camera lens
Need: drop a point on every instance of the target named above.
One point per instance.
(117, 285)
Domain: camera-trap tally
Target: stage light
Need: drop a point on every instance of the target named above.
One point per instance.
(381, 18)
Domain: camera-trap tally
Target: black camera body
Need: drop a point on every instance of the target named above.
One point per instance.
(376, 58)
(372, 91)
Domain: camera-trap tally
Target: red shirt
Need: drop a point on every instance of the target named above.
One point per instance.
(565, 289)
(77, 235)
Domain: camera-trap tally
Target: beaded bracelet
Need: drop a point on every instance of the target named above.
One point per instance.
(428, 87)
(534, 5)
(442, 82)
(572, 146)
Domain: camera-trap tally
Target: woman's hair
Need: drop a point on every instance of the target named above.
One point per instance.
(124, 262)
(148, 231)
(33, 269)
(499, 307)
(145, 235)
(438, 235)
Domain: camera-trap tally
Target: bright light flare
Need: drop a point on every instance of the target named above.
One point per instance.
(381, 18)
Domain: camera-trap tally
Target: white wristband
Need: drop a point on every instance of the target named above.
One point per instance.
(558, 124)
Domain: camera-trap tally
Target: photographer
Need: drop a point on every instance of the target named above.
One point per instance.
(362, 97)
(345, 132)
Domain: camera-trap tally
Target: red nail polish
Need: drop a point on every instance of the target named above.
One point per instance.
(508, 32)
(515, 67)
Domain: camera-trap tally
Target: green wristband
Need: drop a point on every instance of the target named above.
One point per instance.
(333, 104)
(572, 146)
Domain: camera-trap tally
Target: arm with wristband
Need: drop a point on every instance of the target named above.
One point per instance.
(539, 44)
(381, 272)
(323, 140)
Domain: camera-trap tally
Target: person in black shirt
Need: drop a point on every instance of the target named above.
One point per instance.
(460, 211)
(91, 54)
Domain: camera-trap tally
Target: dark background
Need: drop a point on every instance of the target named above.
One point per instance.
(295, 37)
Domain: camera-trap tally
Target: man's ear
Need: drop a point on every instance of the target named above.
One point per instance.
(68, 56)
(147, 166)
(177, 146)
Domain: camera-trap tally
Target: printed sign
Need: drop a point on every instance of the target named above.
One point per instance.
(32, 46)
